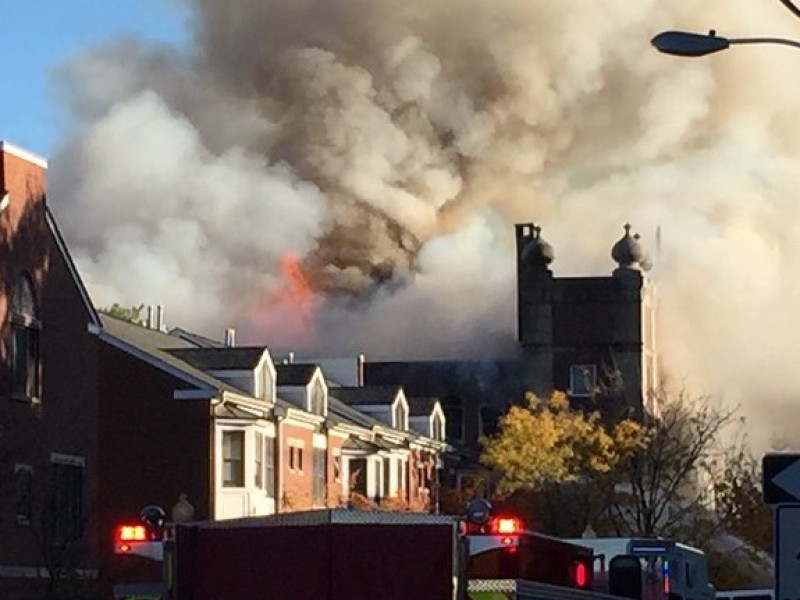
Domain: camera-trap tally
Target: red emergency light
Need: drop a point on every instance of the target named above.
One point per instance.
(126, 535)
(580, 574)
(505, 526)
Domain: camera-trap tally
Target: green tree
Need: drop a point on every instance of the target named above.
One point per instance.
(132, 314)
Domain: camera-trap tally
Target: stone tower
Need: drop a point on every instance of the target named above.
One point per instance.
(593, 337)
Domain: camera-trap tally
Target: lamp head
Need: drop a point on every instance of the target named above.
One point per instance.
(683, 43)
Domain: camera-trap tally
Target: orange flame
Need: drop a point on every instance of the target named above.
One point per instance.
(288, 311)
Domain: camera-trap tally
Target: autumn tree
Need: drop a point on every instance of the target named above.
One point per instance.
(546, 444)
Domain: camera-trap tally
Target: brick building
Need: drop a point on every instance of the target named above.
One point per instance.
(48, 397)
(99, 417)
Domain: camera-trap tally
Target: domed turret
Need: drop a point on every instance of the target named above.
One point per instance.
(629, 253)
(537, 253)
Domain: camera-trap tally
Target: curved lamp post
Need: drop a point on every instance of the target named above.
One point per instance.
(684, 43)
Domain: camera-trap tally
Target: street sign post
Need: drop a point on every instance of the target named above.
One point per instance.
(787, 552)
(781, 478)
(781, 484)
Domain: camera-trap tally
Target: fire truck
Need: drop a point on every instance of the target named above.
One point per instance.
(342, 554)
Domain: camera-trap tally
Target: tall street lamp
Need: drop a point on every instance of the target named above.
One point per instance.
(684, 43)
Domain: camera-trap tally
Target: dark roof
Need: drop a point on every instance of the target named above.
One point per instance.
(157, 345)
(371, 394)
(221, 359)
(198, 340)
(493, 380)
(295, 373)
(337, 408)
(421, 407)
(373, 446)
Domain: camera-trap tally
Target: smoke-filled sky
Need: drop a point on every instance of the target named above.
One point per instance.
(344, 175)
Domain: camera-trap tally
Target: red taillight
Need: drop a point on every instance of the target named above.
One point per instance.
(580, 574)
(505, 526)
(131, 533)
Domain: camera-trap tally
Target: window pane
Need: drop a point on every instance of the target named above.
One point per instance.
(233, 459)
(25, 362)
(387, 467)
(66, 502)
(23, 494)
(582, 380)
(269, 466)
(259, 456)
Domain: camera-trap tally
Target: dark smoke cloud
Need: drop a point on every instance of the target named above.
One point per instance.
(390, 145)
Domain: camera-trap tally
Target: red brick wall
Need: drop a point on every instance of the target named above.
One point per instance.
(65, 421)
(23, 237)
(152, 447)
(295, 492)
(337, 489)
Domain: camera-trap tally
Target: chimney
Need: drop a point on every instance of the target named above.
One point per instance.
(360, 366)
(230, 337)
(160, 317)
(150, 317)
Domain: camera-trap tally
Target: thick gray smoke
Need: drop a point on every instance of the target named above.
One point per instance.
(377, 153)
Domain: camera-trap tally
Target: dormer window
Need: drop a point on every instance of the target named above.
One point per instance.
(268, 381)
(437, 427)
(400, 415)
(317, 400)
(25, 327)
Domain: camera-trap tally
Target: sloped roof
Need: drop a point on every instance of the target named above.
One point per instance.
(371, 394)
(58, 239)
(198, 340)
(157, 345)
(221, 359)
(339, 409)
(295, 374)
(373, 446)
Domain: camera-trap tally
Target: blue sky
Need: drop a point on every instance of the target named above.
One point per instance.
(38, 35)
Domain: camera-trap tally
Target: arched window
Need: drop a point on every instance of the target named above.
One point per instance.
(24, 340)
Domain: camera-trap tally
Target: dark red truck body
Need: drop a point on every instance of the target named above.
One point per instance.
(539, 558)
(319, 555)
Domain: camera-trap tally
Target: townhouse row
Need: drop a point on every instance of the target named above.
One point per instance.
(100, 417)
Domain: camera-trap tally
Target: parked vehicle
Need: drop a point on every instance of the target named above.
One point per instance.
(345, 554)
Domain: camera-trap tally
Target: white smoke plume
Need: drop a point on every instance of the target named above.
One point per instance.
(378, 153)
